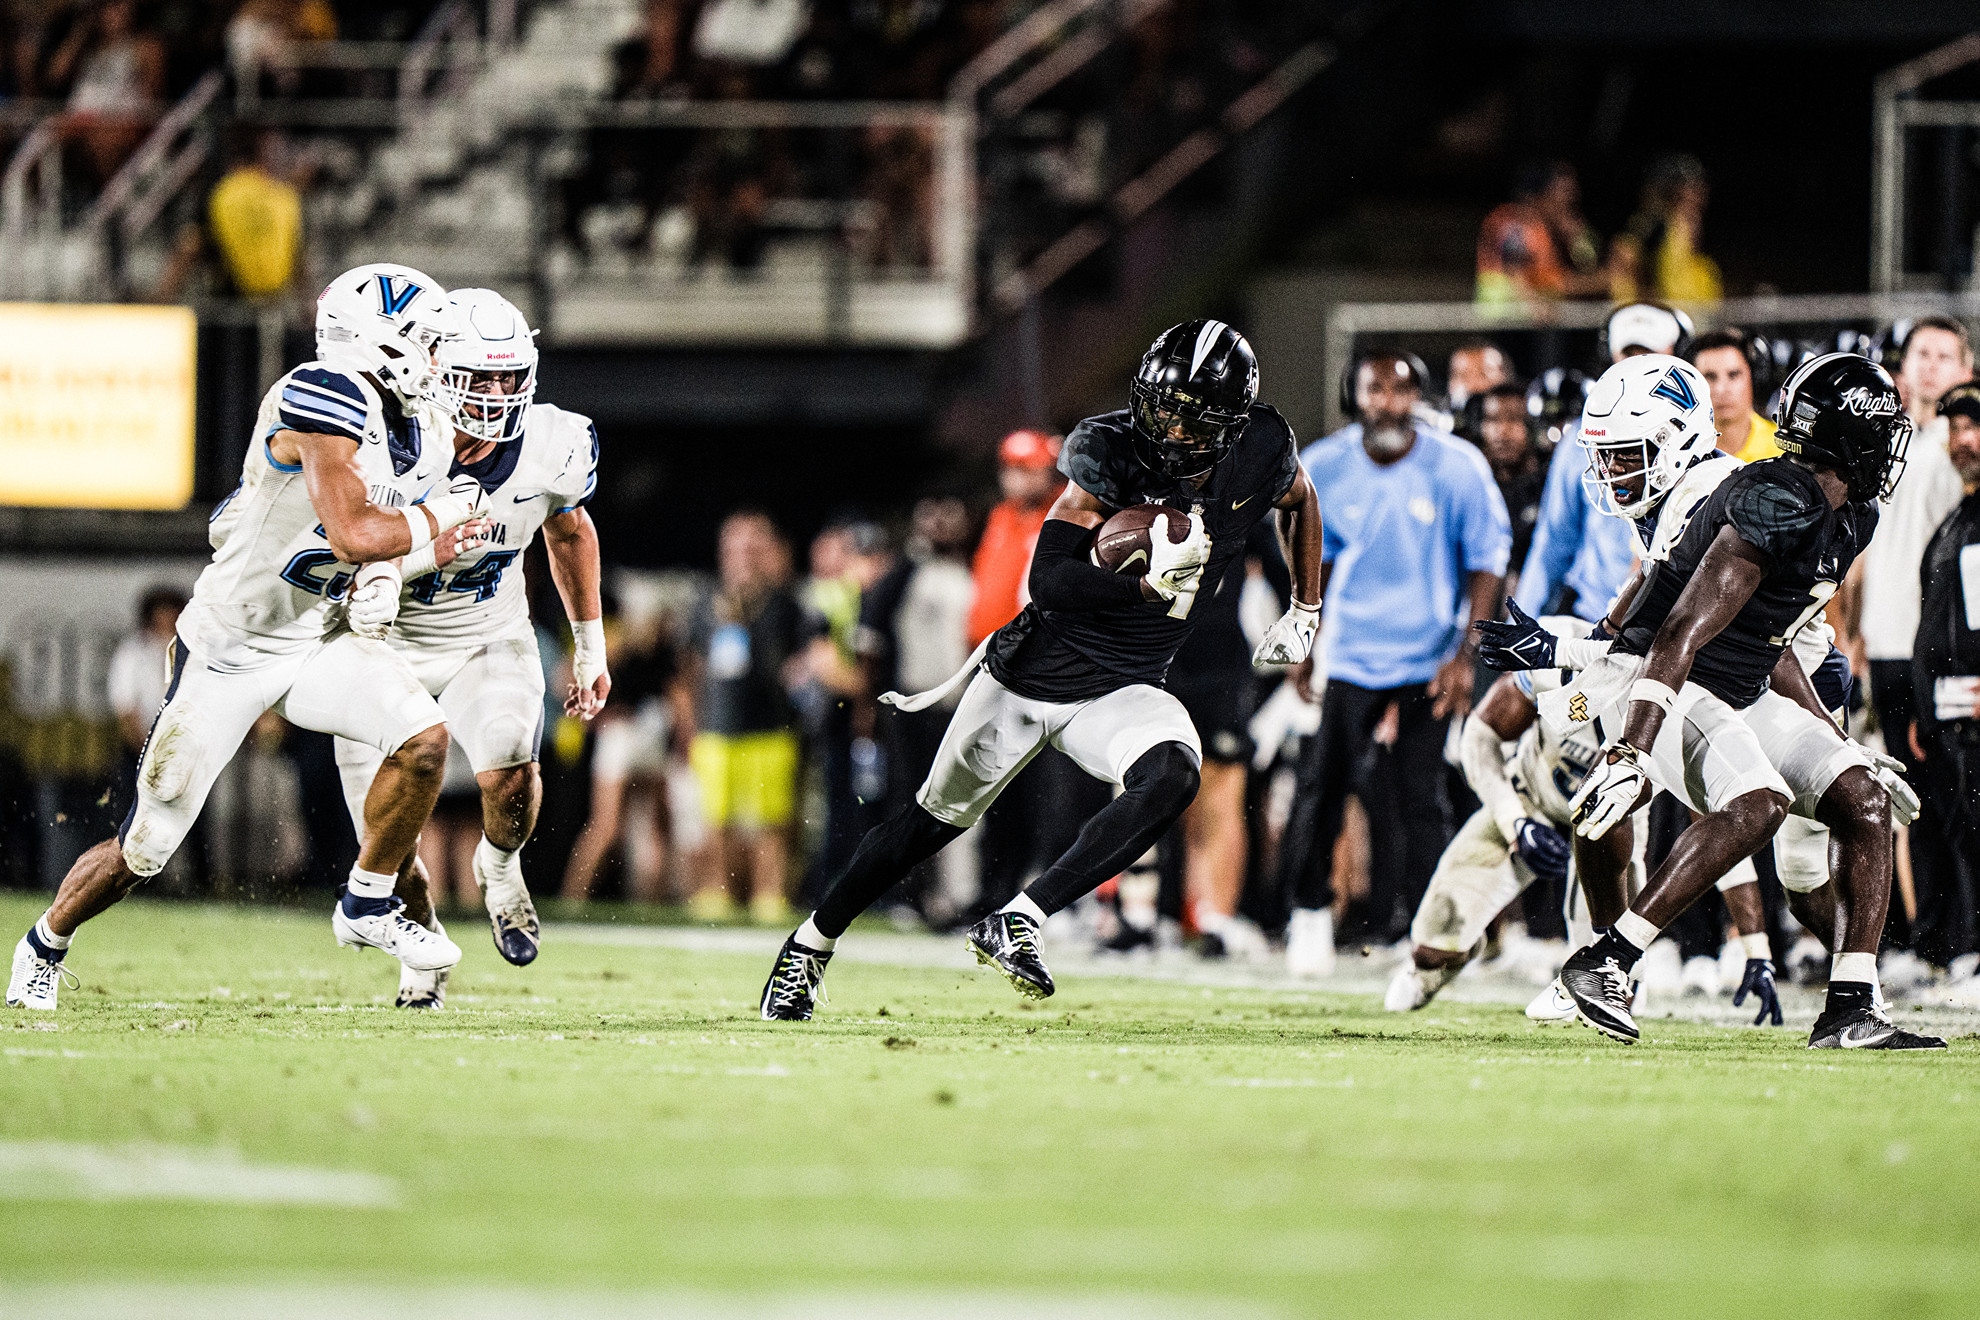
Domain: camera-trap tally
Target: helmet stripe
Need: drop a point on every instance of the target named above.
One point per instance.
(1206, 339)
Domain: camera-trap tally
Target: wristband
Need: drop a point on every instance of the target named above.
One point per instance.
(422, 534)
(1580, 652)
(1657, 694)
(378, 568)
(1758, 946)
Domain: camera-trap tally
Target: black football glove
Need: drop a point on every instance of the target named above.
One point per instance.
(1759, 980)
(1516, 643)
(1543, 848)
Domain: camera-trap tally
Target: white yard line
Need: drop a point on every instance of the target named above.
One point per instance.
(75, 1171)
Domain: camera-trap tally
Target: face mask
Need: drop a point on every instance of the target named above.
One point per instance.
(1387, 441)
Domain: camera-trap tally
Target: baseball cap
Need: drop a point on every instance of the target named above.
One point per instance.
(1961, 401)
(1646, 325)
(1029, 449)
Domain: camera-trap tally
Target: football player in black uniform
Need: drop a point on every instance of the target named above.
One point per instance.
(1082, 667)
(1704, 640)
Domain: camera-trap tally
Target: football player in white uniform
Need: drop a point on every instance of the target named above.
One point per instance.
(466, 630)
(344, 451)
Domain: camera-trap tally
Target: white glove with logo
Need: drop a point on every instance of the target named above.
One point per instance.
(1175, 567)
(465, 501)
(1904, 798)
(1290, 640)
(374, 599)
(1611, 792)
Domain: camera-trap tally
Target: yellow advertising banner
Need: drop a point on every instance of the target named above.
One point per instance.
(96, 405)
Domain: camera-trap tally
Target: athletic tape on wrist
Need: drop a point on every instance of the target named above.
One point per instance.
(422, 534)
(1660, 695)
(588, 640)
(1579, 652)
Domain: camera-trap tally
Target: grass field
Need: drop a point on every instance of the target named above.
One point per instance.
(611, 1131)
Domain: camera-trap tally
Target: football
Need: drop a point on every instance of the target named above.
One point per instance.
(1122, 544)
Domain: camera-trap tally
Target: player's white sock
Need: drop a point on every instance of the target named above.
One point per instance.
(1636, 930)
(812, 938)
(1141, 891)
(1758, 946)
(370, 884)
(1024, 904)
(498, 869)
(49, 937)
(1855, 967)
(1209, 920)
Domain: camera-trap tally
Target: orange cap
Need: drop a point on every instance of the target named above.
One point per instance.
(1029, 449)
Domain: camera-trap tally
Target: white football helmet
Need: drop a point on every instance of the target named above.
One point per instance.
(1645, 422)
(384, 320)
(488, 366)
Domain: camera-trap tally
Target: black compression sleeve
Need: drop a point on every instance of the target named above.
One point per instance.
(1063, 578)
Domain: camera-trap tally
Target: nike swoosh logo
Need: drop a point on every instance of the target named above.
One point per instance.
(1851, 1040)
(524, 498)
(1139, 556)
(1239, 504)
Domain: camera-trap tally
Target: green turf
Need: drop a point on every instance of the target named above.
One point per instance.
(615, 1117)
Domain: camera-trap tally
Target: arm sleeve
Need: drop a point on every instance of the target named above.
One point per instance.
(318, 401)
(1062, 578)
(1556, 534)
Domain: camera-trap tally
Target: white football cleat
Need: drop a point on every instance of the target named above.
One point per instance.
(1552, 1007)
(35, 980)
(391, 932)
(1310, 942)
(1412, 987)
(423, 989)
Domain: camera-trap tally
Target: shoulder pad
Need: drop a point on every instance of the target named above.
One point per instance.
(570, 443)
(322, 400)
(1098, 458)
(1772, 515)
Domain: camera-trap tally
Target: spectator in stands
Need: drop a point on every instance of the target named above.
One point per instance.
(731, 175)
(1028, 478)
(1881, 594)
(251, 246)
(1497, 421)
(1945, 738)
(913, 634)
(260, 35)
(1579, 558)
(745, 747)
(115, 74)
(898, 187)
(1417, 539)
(1537, 247)
(1721, 358)
(1657, 255)
(1476, 365)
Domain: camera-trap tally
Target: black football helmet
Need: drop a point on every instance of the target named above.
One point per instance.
(1192, 397)
(1842, 411)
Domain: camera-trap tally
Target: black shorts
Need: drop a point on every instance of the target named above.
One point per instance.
(1221, 707)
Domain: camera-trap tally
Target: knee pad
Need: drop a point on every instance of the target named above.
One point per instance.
(170, 758)
(1167, 775)
(147, 843)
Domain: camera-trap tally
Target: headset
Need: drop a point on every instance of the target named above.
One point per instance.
(1418, 374)
(1766, 362)
(1679, 321)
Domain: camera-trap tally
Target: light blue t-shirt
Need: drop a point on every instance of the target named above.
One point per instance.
(1403, 540)
(1575, 544)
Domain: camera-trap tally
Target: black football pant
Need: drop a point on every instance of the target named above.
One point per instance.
(1402, 789)
(1932, 865)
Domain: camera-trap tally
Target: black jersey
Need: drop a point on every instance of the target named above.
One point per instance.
(1060, 655)
(1777, 507)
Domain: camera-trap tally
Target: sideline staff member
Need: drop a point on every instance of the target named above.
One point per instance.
(1946, 683)
(1720, 357)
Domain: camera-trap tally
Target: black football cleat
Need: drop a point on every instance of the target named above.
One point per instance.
(1008, 941)
(1864, 1027)
(1599, 986)
(794, 989)
(517, 932)
(1128, 939)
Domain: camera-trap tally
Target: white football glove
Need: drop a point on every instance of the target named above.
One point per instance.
(1174, 568)
(1290, 640)
(374, 599)
(1904, 798)
(464, 499)
(1611, 792)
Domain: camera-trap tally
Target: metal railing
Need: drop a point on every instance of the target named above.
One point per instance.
(1897, 110)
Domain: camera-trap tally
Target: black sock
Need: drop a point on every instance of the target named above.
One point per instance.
(1612, 945)
(1845, 996)
(888, 852)
(1156, 788)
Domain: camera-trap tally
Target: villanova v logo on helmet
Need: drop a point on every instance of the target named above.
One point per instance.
(394, 300)
(1677, 389)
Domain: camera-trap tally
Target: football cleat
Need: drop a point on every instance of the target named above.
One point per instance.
(511, 915)
(1552, 1007)
(391, 932)
(795, 988)
(423, 989)
(1599, 986)
(1412, 987)
(36, 980)
(1130, 939)
(1865, 1028)
(1310, 943)
(1008, 941)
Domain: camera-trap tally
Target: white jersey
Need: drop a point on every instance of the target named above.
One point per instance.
(1544, 770)
(273, 582)
(551, 469)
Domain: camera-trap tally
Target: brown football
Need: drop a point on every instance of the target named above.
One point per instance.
(1122, 544)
